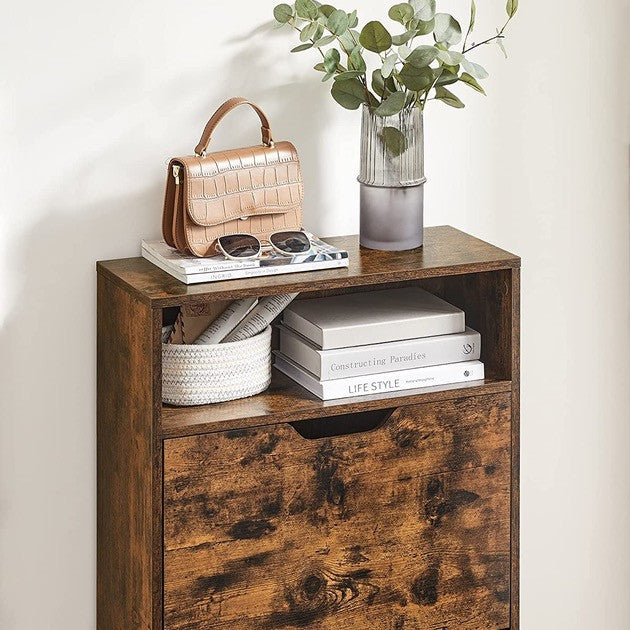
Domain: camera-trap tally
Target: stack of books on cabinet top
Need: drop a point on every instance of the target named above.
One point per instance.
(376, 342)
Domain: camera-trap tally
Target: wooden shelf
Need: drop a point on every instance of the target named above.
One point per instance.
(286, 401)
(446, 251)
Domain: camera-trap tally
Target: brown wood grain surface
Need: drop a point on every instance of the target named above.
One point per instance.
(403, 527)
(129, 471)
(446, 251)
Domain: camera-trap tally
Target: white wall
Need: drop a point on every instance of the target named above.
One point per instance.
(96, 96)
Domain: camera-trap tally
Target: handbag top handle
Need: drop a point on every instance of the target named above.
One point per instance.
(216, 118)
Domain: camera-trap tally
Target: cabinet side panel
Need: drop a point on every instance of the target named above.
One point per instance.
(516, 450)
(125, 415)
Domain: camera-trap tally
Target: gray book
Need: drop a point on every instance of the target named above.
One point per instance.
(380, 357)
(359, 319)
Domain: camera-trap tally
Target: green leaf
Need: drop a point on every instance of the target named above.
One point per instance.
(337, 22)
(399, 40)
(447, 77)
(348, 74)
(375, 37)
(501, 46)
(468, 80)
(350, 39)
(391, 105)
(444, 95)
(447, 29)
(326, 10)
(477, 71)
(308, 31)
(402, 13)
(353, 20)
(422, 56)
(473, 15)
(388, 65)
(349, 94)
(319, 67)
(424, 28)
(378, 83)
(302, 47)
(356, 61)
(327, 76)
(450, 57)
(282, 13)
(324, 41)
(395, 141)
(404, 51)
(331, 59)
(306, 9)
(425, 9)
(511, 7)
(416, 79)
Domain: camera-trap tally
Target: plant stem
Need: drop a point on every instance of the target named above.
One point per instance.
(485, 41)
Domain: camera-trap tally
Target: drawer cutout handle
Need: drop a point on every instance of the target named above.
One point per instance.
(345, 424)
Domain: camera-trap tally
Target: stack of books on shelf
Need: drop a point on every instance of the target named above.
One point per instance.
(192, 270)
(376, 342)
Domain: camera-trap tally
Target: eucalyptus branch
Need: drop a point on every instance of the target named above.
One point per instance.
(485, 41)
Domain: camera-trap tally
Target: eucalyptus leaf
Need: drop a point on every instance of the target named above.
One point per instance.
(425, 9)
(348, 74)
(402, 13)
(356, 61)
(473, 15)
(450, 57)
(422, 56)
(331, 59)
(353, 20)
(306, 9)
(395, 141)
(349, 40)
(319, 67)
(349, 94)
(404, 51)
(324, 41)
(283, 13)
(388, 65)
(302, 47)
(328, 76)
(447, 77)
(326, 10)
(446, 96)
(501, 46)
(308, 31)
(468, 80)
(391, 105)
(416, 79)
(337, 22)
(474, 69)
(511, 7)
(425, 27)
(399, 40)
(375, 37)
(378, 83)
(447, 29)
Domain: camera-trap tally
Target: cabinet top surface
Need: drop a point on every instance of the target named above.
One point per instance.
(446, 251)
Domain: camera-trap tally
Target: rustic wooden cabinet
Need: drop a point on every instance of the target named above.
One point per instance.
(397, 512)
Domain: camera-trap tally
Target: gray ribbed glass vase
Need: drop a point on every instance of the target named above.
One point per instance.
(392, 180)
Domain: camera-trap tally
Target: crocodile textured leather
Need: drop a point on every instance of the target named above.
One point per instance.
(255, 190)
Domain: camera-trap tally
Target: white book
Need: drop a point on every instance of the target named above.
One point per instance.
(358, 319)
(235, 274)
(377, 358)
(431, 376)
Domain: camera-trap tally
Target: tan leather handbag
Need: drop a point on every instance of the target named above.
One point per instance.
(255, 190)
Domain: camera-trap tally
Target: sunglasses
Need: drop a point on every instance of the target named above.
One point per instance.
(240, 246)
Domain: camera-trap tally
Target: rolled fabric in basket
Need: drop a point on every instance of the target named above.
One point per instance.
(203, 374)
(260, 316)
(226, 322)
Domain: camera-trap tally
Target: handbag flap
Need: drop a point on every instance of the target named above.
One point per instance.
(240, 183)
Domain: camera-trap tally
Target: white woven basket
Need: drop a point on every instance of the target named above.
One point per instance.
(198, 375)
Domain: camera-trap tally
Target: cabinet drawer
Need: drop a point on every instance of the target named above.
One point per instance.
(403, 526)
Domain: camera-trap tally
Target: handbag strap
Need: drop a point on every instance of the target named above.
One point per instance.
(216, 118)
